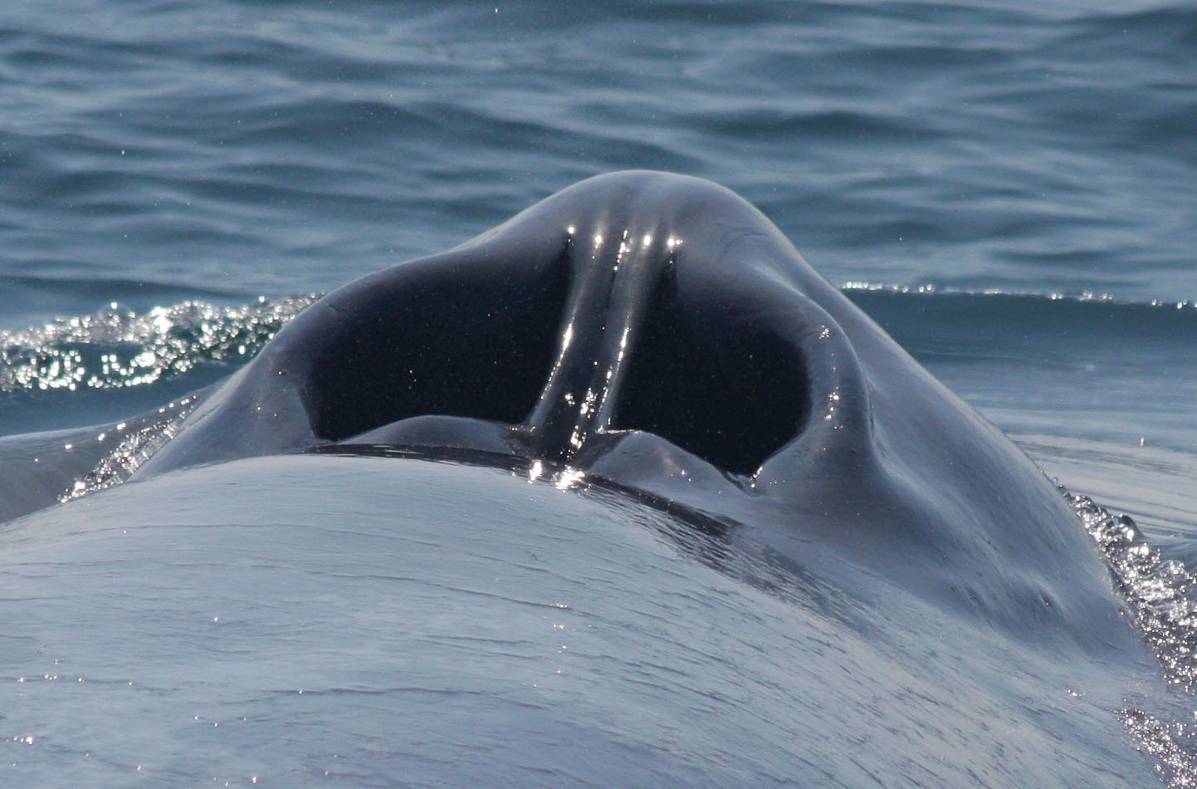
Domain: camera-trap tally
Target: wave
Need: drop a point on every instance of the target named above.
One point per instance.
(946, 325)
(1085, 296)
(120, 348)
(1160, 597)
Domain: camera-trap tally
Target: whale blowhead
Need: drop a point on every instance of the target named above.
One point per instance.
(659, 333)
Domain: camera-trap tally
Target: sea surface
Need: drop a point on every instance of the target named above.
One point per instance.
(1009, 189)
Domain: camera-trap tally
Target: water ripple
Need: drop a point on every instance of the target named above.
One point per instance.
(1160, 596)
(118, 348)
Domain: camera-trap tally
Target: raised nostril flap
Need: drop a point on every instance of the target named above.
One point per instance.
(717, 377)
(460, 338)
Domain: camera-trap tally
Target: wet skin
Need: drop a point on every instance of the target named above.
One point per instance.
(657, 333)
(782, 549)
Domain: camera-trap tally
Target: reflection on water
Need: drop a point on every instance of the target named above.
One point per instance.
(117, 347)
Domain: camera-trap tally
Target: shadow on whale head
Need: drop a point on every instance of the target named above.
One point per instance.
(658, 333)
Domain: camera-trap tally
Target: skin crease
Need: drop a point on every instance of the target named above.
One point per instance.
(788, 552)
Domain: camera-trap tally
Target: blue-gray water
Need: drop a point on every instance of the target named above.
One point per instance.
(1010, 189)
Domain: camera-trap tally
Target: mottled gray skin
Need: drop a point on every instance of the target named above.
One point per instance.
(877, 475)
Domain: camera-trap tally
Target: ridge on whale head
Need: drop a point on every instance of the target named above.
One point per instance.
(657, 332)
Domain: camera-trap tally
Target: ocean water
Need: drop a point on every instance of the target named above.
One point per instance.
(1009, 189)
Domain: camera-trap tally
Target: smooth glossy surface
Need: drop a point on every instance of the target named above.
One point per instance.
(364, 620)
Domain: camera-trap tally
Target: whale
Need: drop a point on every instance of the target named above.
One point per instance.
(619, 491)
(658, 332)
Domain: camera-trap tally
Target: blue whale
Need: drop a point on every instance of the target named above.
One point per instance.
(620, 491)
